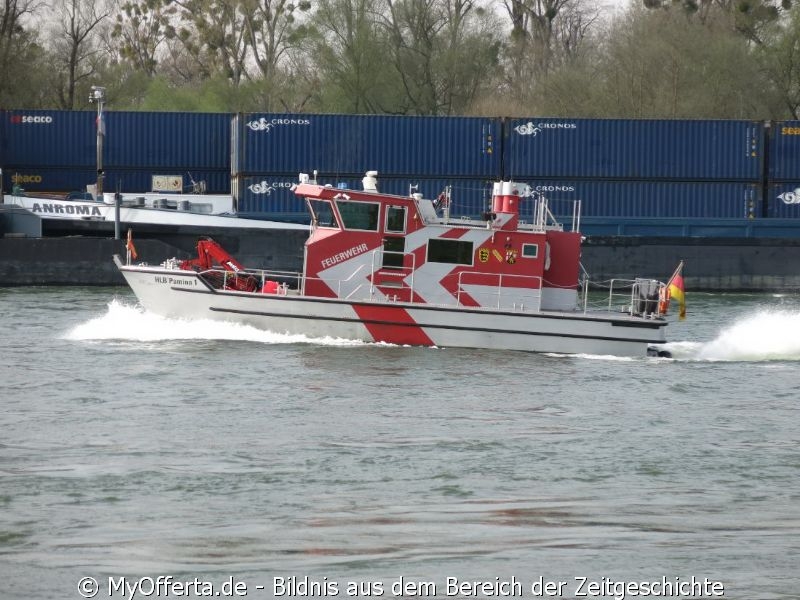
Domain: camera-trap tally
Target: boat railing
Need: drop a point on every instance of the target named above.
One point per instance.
(539, 215)
(519, 293)
(221, 277)
(635, 297)
(526, 297)
(287, 281)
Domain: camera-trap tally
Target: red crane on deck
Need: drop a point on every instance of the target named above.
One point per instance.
(211, 254)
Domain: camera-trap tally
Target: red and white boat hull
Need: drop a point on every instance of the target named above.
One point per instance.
(184, 294)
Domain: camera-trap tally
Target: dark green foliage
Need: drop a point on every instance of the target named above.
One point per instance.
(661, 58)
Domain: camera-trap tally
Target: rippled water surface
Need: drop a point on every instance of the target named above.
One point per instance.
(133, 446)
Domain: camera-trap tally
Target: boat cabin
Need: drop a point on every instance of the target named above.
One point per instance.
(409, 249)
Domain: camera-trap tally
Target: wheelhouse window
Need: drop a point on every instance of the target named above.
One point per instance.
(396, 219)
(359, 215)
(450, 251)
(322, 213)
(530, 250)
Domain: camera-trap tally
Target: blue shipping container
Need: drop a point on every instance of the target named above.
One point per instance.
(662, 199)
(270, 196)
(48, 138)
(633, 149)
(133, 140)
(73, 180)
(349, 145)
(137, 180)
(157, 140)
(784, 151)
(48, 180)
(783, 200)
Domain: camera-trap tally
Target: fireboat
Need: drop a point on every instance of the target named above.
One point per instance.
(400, 270)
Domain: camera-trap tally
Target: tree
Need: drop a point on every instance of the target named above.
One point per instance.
(749, 17)
(662, 64)
(141, 30)
(545, 34)
(349, 47)
(443, 52)
(271, 27)
(780, 60)
(18, 47)
(216, 37)
(73, 46)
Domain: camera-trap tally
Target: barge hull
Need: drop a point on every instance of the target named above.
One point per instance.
(715, 265)
(87, 261)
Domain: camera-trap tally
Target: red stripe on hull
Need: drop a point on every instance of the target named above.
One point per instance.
(393, 325)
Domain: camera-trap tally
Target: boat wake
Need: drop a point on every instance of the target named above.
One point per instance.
(768, 335)
(131, 323)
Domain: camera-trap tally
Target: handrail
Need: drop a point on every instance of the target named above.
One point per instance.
(640, 297)
(500, 288)
(644, 296)
(349, 277)
(358, 287)
(381, 251)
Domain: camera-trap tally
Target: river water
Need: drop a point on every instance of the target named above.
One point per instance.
(134, 447)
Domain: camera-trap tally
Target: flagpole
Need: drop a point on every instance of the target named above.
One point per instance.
(677, 270)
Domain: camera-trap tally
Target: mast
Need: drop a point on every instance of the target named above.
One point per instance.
(98, 95)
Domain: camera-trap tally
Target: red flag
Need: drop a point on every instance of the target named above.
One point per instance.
(129, 245)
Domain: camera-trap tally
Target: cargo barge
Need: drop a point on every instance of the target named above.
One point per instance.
(48, 241)
(724, 195)
(720, 265)
(734, 255)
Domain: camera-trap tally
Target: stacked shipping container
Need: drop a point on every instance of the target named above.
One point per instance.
(271, 194)
(642, 168)
(269, 150)
(783, 182)
(55, 151)
(634, 169)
